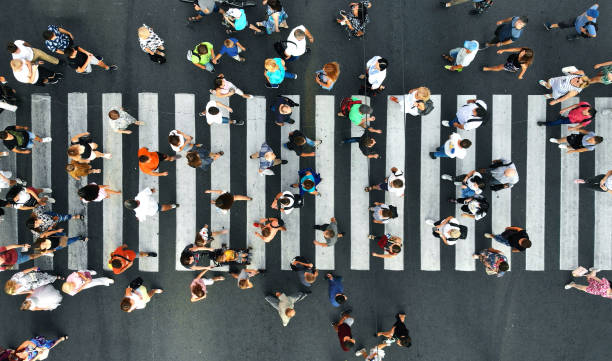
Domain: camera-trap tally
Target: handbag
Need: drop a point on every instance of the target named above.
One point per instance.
(281, 46)
(156, 58)
(136, 283)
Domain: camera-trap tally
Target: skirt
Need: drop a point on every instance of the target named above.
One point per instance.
(575, 140)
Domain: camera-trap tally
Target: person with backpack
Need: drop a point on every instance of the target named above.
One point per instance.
(470, 116)
(580, 114)
(585, 24)
(583, 141)
(151, 44)
(136, 296)
(19, 139)
(269, 227)
(203, 56)
(471, 183)
(520, 59)
(495, 262)
(449, 230)
(454, 147)
(461, 57)
(308, 181)
(306, 271)
(394, 183)
(235, 20)
(392, 245)
(123, 258)
(508, 31)
(398, 333)
(287, 202)
(474, 207)
(194, 257)
(282, 109)
(366, 142)
(298, 142)
(383, 213)
(267, 159)
(376, 72)
(514, 237)
(417, 101)
(295, 45)
(149, 162)
(501, 174)
(357, 112)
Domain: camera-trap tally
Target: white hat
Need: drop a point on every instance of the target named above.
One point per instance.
(235, 13)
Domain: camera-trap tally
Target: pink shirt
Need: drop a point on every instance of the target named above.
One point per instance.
(75, 279)
(575, 115)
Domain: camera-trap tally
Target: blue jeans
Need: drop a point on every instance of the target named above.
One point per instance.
(70, 241)
(351, 140)
(560, 121)
(22, 257)
(439, 153)
(60, 217)
(292, 58)
(31, 142)
(209, 67)
(454, 123)
(454, 52)
(501, 240)
(290, 75)
(309, 141)
(225, 120)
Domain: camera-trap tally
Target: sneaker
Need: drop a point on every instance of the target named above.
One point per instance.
(359, 352)
(52, 82)
(4, 154)
(112, 67)
(432, 155)
(284, 161)
(489, 235)
(108, 156)
(176, 205)
(93, 273)
(553, 140)
(20, 181)
(249, 96)
(445, 123)
(295, 77)
(429, 222)
(562, 146)
(446, 177)
(579, 181)
(290, 121)
(444, 4)
(202, 114)
(541, 123)
(543, 83)
(239, 122)
(569, 285)
(593, 269)
(46, 140)
(47, 190)
(59, 75)
(547, 26)
(318, 142)
(452, 200)
(151, 254)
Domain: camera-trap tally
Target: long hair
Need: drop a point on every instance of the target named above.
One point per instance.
(527, 58)
(332, 70)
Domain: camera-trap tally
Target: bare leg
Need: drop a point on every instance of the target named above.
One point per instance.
(242, 198)
(493, 68)
(102, 65)
(214, 234)
(167, 207)
(112, 191)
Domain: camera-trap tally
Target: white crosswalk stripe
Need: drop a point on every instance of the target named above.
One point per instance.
(8, 226)
(603, 201)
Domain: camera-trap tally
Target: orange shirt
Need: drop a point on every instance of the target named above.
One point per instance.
(125, 256)
(151, 165)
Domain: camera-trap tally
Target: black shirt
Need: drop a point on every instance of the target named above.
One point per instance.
(362, 144)
(514, 237)
(401, 331)
(78, 61)
(514, 60)
(198, 260)
(278, 117)
(20, 140)
(298, 149)
(84, 141)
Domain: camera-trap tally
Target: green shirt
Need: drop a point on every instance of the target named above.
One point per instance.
(204, 58)
(354, 115)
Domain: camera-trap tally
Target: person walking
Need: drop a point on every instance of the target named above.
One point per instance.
(19, 139)
(120, 120)
(328, 76)
(306, 271)
(203, 56)
(383, 213)
(15, 254)
(269, 228)
(296, 44)
(267, 159)
(203, 8)
(366, 142)
(203, 238)
(77, 170)
(418, 102)
(287, 202)
(26, 72)
(36, 348)
(8, 100)
(376, 72)
(149, 162)
(276, 72)
(356, 20)
(520, 59)
(82, 280)
(501, 174)
(398, 333)
(28, 198)
(180, 141)
(43, 298)
(214, 116)
(95, 193)
(298, 142)
(83, 149)
(57, 39)
(144, 205)
(82, 60)
(276, 18)
(454, 147)
(201, 157)
(395, 183)
(471, 183)
(449, 230)
(508, 31)
(282, 109)
(136, 296)
(308, 181)
(474, 207)
(7, 182)
(470, 116)
(232, 48)
(330, 233)
(585, 24)
(193, 257)
(392, 245)
(358, 113)
(479, 6)
(565, 87)
(580, 114)
(285, 305)
(244, 277)
(596, 286)
(604, 75)
(20, 49)
(225, 89)
(343, 329)
(55, 240)
(225, 200)
(460, 58)
(198, 285)
(494, 261)
(583, 141)
(28, 280)
(42, 221)
(514, 237)
(235, 19)
(151, 44)
(335, 289)
(599, 183)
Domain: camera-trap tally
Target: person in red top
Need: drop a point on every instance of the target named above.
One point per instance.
(123, 258)
(149, 161)
(581, 113)
(11, 255)
(343, 328)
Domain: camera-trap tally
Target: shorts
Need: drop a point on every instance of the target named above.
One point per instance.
(31, 141)
(22, 257)
(225, 120)
(215, 10)
(382, 241)
(510, 67)
(93, 61)
(161, 156)
(575, 140)
(384, 186)
(349, 321)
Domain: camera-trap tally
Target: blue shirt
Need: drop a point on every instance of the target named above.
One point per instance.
(233, 51)
(585, 140)
(508, 31)
(582, 19)
(60, 42)
(263, 162)
(335, 287)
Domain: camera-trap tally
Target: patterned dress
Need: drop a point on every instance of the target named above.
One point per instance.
(153, 42)
(47, 221)
(32, 280)
(124, 119)
(599, 288)
(357, 23)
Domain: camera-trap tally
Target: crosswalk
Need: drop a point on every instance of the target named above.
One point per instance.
(323, 125)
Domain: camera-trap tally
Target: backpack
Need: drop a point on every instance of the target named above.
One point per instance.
(393, 210)
(347, 104)
(429, 106)
(462, 229)
(12, 193)
(156, 58)
(591, 23)
(281, 46)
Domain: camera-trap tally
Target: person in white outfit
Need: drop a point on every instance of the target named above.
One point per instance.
(44, 298)
(470, 116)
(144, 205)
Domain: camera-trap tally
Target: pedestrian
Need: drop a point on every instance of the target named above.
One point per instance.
(28, 280)
(276, 72)
(470, 116)
(149, 162)
(308, 181)
(287, 201)
(356, 20)
(520, 59)
(449, 230)
(418, 102)
(343, 329)
(28, 198)
(193, 257)
(471, 183)
(600, 183)
(232, 48)
(198, 285)
(395, 183)
(15, 254)
(204, 7)
(43, 298)
(120, 120)
(225, 89)
(214, 116)
(461, 57)
(285, 305)
(328, 76)
(269, 228)
(203, 239)
(357, 112)
(151, 44)
(583, 141)
(267, 159)
(604, 76)
(376, 72)
(42, 221)
(179, 141)
(298, 142)
(20, 49)
(55, 240)
(565, 87)
(454, 147)
(244, 277)
(83, 149)
(203, 56)
(77, 169)
(474, 207)
(36, 348)
(95, 193)
(8, 100)
(306, 271)
(225, 256)
(28, 73)
(508, 31)
(82, 60)
(235, 20)
(494, 261)
(335, 289)
(392, 245)
(19, 139)
(383, 213)
(330, 233)
(585, 24)
(144, 205)
(82, 280)
(136, 296)
(201, 157)
(502, 174)
(514, 237)
(281, 107)
(398, 333)
(6, 182)
(57, 39)
(580, 114)
(597, 286)
(295, 45)
(225, 200)
(480, 6)
(276, 18)
(376, 353)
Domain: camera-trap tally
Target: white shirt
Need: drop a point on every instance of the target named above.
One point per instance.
(23, 74)
(463, 58)
(397, 175)
(148, 205)
(410, 103)
(375, 76)
(299, 48)
(213, 119)
(7, 174)
(289, 208)
(22, 198)
(471, 185)
(453, 144)
(177, 148)
(447, 228)
(466, 113)
(25, 52)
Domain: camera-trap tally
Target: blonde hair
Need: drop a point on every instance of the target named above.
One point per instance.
(11, 287)
(144, 32)
(271, 65)
(424, 93)
(455, 233)
(244, 284)
(67, 287)
(332, 70)
(16, 64)
(585, 81)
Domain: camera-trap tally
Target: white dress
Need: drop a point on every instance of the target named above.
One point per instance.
(45, 297)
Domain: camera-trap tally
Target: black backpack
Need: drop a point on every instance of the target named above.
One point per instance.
(429, 106)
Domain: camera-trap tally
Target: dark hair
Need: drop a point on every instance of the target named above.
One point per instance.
(185, 256)
(113, 114)
(213, 110)
(478, 180)
(3, 203)
(266, 232)
(383, 63)
(387, 213)
(70, 51)
(275, 5)
(225, 201)
(362, 11)
(526, 242)
(143, 158)
(131, 204)
(284, 201)
(465, 143)
(199, 240)
(198, 291)
(369, 142)
(527, 58)
(300, 140)
(524, 19)
(70, 167)
(115, 263)
(89, 192)
(405, 341)
(202, 49)
(481, 112)
(349, 343)
(174, 140)
(598, 139)
(395, 248)
(330, 232)
(48, 34)
(126, 304)
(503, 266)
(218, 81)
(592, 111)
(308, 184)
(398, 183)
(340, 298)
(11, 47)
(193, 159)
(73, 151)
(30, 222)
(3, 134)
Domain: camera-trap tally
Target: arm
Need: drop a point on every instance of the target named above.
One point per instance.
(606, 63)
(219, 104)
(216, 58)
(506, 20)
(217, 191)
(64, 31)
(382, 255)
(199, 65)
(523, 70)
(375, 156)
(240, 46)
(308, 35)
(31, 69)
(566, 109)
(577, 150)
(21, 151)
(76, 137)
(275, 202)
(158, 174)
(316, 243)
(201, 274)
(569, 94)
(467, 176)
(512, 50)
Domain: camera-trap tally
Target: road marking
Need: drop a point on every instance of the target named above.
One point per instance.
(603, 201)
(8, 226)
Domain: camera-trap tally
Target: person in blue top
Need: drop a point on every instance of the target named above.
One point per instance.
(235, 20)
(309, 180)
(585, 24)
(276, 18)
(276, 72)
(336, 290)
(232, 48)
(508, 31)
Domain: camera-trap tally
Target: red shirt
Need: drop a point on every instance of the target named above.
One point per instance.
(343, 331)
(7, 258)
(575, 115)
